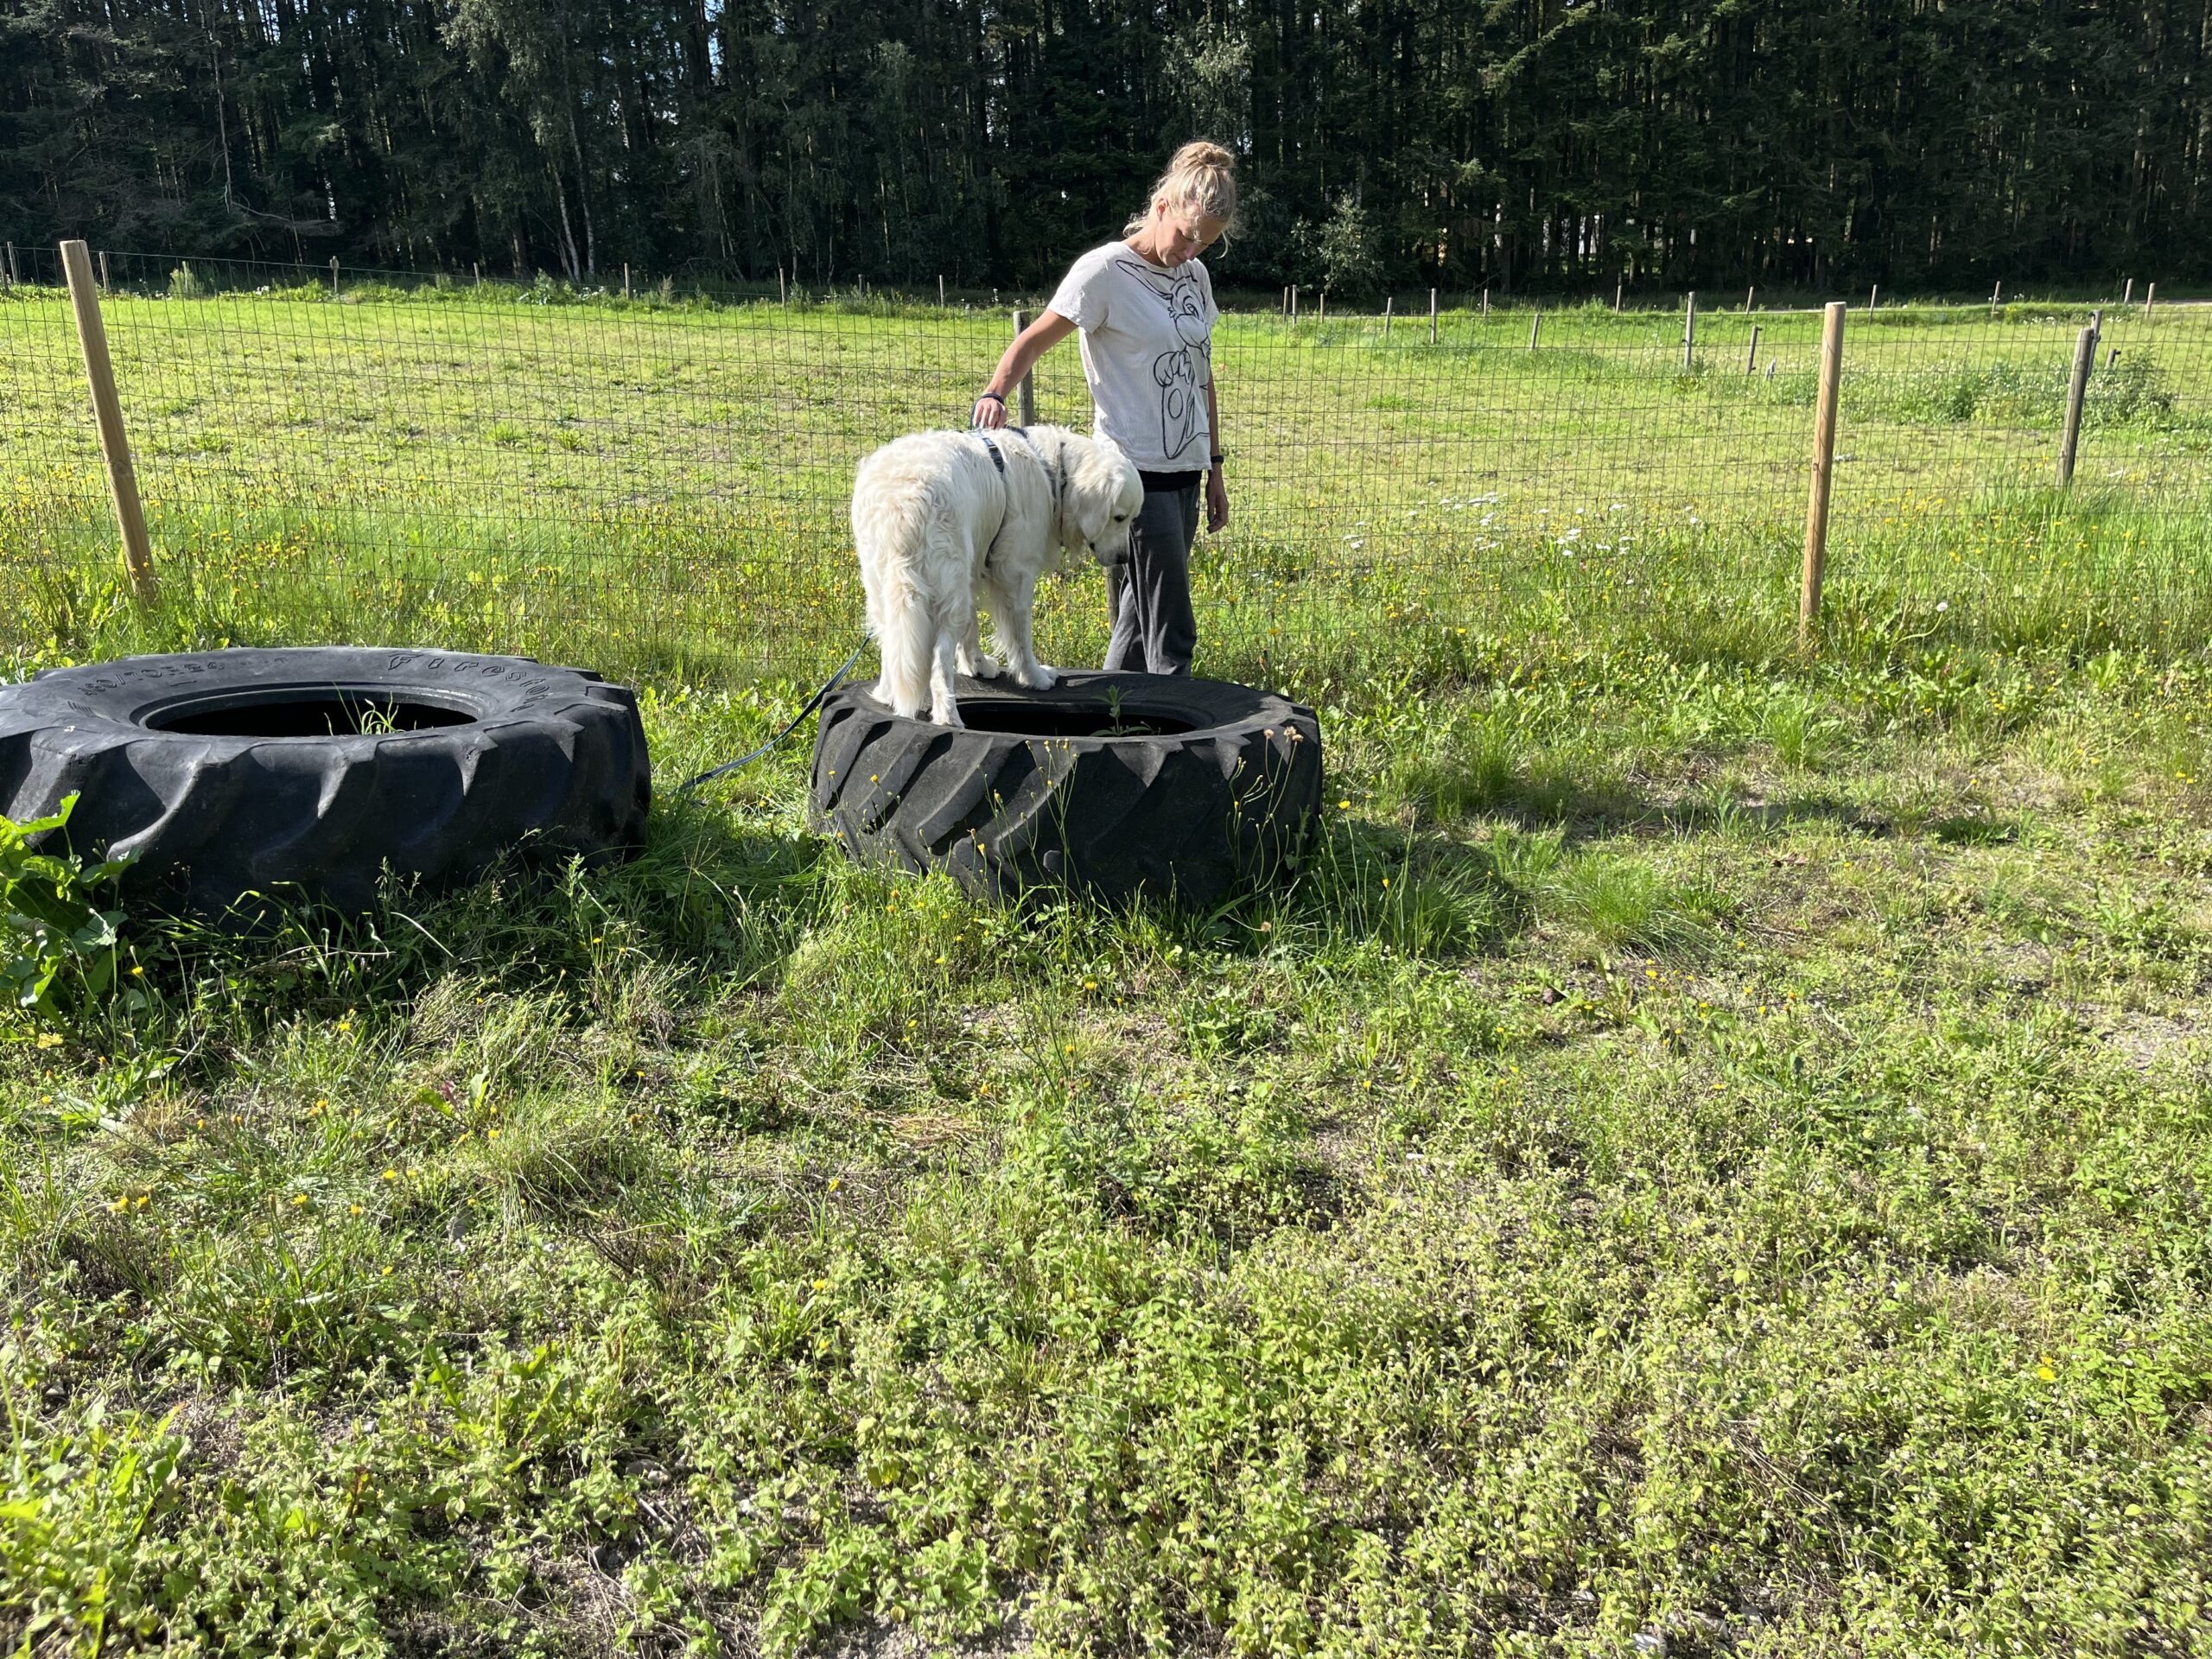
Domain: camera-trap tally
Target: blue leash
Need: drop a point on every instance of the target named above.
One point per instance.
(813, 703)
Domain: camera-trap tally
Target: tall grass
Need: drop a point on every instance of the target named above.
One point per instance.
(2030, 571)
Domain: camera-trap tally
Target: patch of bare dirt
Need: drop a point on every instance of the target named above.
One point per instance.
(2147, 1041)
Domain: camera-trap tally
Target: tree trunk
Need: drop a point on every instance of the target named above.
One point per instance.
(583, 197)
(568, 259)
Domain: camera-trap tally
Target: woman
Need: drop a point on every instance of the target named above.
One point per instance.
(1145, 305)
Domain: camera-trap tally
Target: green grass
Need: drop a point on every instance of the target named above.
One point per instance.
(667, 484)
(1714, 1147)
(1709, 1151)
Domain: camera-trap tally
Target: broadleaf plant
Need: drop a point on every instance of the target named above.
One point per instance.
(59, 949)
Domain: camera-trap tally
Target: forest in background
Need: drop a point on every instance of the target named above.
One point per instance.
(1532, 145)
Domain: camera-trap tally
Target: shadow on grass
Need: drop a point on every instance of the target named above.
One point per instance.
(708, 895)
(1584, 807)
(1595, 863)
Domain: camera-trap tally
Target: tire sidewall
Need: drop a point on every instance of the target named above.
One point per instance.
(1188, 818)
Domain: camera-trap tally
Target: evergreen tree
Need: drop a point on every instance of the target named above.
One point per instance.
(1522, 144)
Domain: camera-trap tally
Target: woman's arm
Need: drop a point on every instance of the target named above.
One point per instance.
(1032, 343)
(1217, 486)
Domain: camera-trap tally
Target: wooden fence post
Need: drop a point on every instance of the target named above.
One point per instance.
(1431, 316)
(1485, 305)
(940, 291)
(625, 279)
(1026, 396)
(1748, 294)
(1996, 293)
(1752, 358)
(107, 414)
(1388, 301)
(2150, 299)
(1816, 506)
(2085, 354)
(1689, 332)
(334, 276)
(103, 286)
(12, 277)
(1874, 297)
(1536, 327)
(1617, 287)
(475, 273)
(2128, 298)
(1321, 312)
(1293, 303)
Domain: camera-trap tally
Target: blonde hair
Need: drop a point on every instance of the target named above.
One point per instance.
(1199, 180)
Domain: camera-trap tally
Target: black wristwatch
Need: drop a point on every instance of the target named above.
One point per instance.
(1217, 459)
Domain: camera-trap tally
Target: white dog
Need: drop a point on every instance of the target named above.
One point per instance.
(940, 518)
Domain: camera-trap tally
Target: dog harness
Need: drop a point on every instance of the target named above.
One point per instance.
(998, 460)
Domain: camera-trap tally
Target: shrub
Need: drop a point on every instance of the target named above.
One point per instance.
(1350, 264)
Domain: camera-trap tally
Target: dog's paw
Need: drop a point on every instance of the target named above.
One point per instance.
(987, 668)
(946, 714)
(1038, 678)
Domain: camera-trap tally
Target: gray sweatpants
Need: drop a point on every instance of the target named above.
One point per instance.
(1154, 632)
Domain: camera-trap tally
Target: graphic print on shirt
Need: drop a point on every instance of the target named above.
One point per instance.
(1177, 372)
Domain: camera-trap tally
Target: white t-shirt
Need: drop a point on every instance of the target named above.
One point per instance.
(1147, 353)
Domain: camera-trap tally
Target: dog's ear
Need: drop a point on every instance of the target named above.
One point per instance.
(1096, 476)
(1119, 483)
(1130, 496)
(1104, 495)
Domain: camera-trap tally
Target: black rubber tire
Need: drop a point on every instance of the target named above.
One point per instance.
(1188, 816)
(550, 759)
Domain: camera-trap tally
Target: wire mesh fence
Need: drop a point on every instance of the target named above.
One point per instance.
(661, 480)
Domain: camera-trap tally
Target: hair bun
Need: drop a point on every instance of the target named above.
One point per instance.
(1201, 177)
(1201, 152)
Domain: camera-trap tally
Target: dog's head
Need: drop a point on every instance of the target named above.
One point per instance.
(1100, 501)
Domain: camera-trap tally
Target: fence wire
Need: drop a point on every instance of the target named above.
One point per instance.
(661, 481)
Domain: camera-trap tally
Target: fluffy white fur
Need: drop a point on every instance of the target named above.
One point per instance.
(937, 527)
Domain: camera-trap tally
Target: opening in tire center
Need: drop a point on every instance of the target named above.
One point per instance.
(1066, 720)
(303, 711)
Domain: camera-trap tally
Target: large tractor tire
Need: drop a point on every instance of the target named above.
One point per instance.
(311, 771)
(1125, 785)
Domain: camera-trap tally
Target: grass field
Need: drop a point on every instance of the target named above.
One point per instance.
(668, 482)
(1714, 1157)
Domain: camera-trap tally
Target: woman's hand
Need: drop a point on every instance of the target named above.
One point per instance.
(1216, 502)
(990, 412)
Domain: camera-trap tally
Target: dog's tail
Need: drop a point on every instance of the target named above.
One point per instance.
(906, 640)
(905, 634)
